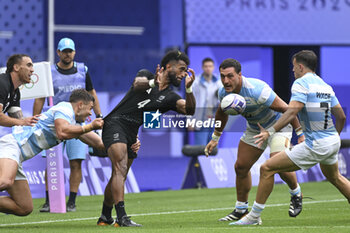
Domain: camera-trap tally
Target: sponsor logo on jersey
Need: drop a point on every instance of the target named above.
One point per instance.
(116, 136)
(162, 97)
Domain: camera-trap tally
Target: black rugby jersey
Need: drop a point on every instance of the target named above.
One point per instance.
(134, 103)
(8, 96)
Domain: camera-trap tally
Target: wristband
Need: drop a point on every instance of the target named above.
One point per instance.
(189, 90)
(86, 128)
(297, 129)
(151, 83)
(99, 116)
(218, 132)
(271, 131)
(215, 138)
(299, 133)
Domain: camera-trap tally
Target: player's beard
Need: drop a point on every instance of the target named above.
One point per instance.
(23, 76)
(172, 78)
(66, 62)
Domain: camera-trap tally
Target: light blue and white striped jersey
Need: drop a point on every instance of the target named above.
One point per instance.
(259, 96)
(315, 116)
(33, 139)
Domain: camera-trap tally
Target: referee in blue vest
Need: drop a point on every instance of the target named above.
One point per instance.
(67, 76)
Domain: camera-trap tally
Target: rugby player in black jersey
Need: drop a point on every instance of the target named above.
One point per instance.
(121, 125)
(18, 72)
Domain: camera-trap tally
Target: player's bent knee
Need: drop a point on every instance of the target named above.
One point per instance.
(6, 183)
(25, 210)
(120, 169)
(241, 170)
(265, 170)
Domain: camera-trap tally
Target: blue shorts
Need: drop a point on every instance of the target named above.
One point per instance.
(75, 149)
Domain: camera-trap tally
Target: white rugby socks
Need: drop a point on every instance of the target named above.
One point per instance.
(241, 206)
(295, 191)
(256, 209)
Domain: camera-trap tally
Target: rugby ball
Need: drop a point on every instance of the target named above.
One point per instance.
(233, 104)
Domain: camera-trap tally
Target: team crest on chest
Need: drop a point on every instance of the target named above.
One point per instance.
(160, 98)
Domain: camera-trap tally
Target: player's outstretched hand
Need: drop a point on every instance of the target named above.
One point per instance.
(159, 74)
(136, 146)
(210, 147)
(97, 123)
(190, 78)
(262, 137)
(31, 121)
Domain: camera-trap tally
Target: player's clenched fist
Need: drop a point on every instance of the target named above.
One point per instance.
(97, 123)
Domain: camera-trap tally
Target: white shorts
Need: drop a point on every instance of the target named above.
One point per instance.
(279, 141)
(305, 157)
(9, 149)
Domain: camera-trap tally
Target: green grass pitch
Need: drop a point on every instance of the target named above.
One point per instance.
(195, 211)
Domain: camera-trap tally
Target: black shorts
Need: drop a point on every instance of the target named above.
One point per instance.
(118, 130)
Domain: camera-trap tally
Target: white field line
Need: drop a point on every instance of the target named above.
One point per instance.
(169, 212)
(272, 227)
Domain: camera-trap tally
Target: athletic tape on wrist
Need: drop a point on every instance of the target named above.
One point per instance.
(87, 128)
(215, 137)
(297, 129)
(271, 131)
(189, 90)
(299, 132)
(218, 132)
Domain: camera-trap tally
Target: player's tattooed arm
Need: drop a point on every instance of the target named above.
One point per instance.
(15, 112)
(15, 117)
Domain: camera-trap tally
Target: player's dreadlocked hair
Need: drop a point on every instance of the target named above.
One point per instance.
(174, 55)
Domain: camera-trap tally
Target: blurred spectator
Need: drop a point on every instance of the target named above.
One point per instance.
(67, 76)
(205, 89)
